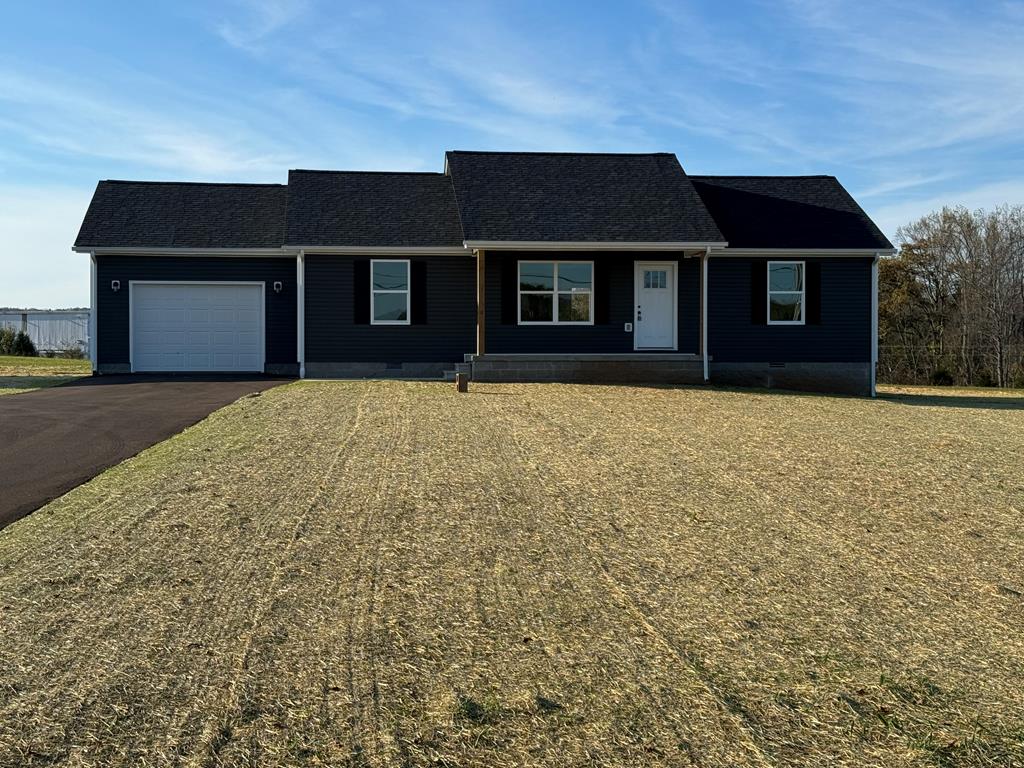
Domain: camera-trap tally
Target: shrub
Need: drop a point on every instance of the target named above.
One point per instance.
(23, 346)
(1017, 377)
(7, 336)
(72, 352)
(941, 378)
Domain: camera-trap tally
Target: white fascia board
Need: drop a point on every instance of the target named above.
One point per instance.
(250, 252)
(851, 252)
(383, 250)
(564, 245)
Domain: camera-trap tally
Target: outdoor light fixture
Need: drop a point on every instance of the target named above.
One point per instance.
(277, 286)
(115, 285)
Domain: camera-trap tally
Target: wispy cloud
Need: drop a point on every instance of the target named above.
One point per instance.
(74, 120)
(257, 20)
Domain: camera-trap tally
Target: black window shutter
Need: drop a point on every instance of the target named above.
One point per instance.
(509, 290)
(759, 292)
(418, 299)
(361, 291)
(602, 293)
(813, 292)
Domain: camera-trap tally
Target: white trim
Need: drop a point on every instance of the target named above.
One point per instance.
(267, 253)
(384, 250)
(863, 253)
(637, 267)
(874, 325)
(565, 245)
(553, 293)
(93, 318)
(407, 291)
(263, 312)
(704, 312)
(803, 293)
(300, 302)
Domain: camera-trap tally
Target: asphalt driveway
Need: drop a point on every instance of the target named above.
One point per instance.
(54, 439)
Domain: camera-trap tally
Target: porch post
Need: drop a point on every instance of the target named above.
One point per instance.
(480, 303)
(704, 313)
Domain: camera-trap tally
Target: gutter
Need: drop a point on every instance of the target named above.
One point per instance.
(566, 245)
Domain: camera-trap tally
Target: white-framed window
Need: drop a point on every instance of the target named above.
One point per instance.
(389, 292)
(787, 292)
(556, 293)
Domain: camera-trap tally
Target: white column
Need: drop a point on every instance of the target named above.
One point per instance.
(93, 320)
(300, 289)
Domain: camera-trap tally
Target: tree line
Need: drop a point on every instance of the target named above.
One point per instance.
(951, 303)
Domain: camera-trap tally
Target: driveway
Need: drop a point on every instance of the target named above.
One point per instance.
(54, 439)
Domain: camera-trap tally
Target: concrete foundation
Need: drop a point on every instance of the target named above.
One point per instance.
(377, 370)
(620, 369)
(839, 378)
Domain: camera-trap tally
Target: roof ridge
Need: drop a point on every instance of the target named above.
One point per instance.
(573, 154)
(381, 173)
(194, 183)
(760, 176)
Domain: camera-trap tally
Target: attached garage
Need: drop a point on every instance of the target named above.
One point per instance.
(196, 326)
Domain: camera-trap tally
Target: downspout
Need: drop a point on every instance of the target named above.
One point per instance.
(874, 323)
(93, 319)
(300, 325)
(704, 312)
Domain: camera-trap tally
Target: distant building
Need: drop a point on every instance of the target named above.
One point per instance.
(50, 329)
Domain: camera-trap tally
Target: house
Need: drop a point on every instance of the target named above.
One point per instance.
(512, 266)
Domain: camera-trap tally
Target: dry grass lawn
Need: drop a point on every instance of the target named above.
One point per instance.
(23, 374)
(388, 573)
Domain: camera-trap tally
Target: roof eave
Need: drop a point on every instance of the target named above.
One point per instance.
(604, 245)
(853, 252)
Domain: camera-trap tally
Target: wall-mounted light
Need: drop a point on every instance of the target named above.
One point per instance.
(115, 285)
(278, 285)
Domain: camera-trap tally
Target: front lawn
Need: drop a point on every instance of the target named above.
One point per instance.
(390, 573)
(23, 374)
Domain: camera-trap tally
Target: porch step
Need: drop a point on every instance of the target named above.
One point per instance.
(459, 368)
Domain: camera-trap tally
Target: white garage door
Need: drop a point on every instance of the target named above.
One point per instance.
(197, 326)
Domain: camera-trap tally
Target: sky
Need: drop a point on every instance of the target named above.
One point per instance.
(912, 105)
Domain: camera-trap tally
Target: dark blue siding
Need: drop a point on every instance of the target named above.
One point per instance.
(844, 334)
(112, 308)
(333, 336)
(600, 338)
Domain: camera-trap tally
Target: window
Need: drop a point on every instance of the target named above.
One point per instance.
(389, 292)
(556, 292)
(655, 278)
(786, 293)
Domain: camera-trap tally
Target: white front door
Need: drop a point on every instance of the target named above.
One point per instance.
(196, 327)
(655, 318)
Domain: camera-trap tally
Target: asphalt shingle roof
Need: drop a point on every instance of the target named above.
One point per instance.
(147, 214)
(571, 197)
(352, 208)
(788, 212)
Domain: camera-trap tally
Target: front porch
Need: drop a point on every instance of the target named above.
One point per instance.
(658, 368)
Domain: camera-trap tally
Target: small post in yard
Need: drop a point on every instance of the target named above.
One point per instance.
(462, 382)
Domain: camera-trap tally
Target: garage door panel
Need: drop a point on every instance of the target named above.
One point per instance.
(197, 327)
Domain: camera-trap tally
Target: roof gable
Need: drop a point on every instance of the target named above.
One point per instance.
(576, 197)
(371, 209)
(788, 212)
(146, 214)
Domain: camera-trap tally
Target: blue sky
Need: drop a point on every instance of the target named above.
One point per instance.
(911, 104)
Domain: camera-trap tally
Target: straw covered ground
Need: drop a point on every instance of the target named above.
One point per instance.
(393, 574)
